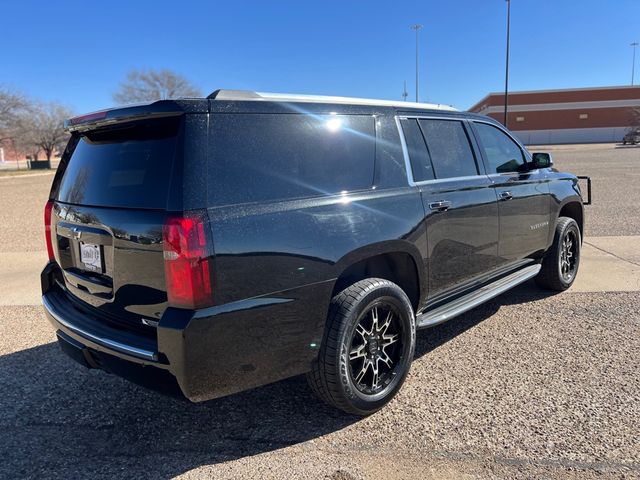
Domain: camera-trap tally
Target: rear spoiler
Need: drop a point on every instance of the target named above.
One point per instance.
(161, 108)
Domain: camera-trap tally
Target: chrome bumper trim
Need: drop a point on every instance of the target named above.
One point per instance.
(105, 342)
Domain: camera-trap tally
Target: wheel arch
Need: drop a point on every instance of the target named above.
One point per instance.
(573, 208)
(397, 262)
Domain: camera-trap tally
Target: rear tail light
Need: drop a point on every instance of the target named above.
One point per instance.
(47, 228)
(186, 262)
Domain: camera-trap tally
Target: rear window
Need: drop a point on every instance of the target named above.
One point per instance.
(123, 166)
(449, 147)
(261, 157)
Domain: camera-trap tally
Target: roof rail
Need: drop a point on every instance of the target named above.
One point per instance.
(248, 95)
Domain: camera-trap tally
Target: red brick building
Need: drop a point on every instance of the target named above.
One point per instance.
(9, 153)
(579, 115)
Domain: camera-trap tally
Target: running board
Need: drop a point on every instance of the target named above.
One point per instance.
(475, 298)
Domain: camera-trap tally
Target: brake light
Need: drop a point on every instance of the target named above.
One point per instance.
(47, 228)
(186, 262)
(90, 117)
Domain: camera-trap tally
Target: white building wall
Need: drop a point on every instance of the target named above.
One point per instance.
(571, 135)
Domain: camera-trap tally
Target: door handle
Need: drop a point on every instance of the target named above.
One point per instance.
(440, 206)
(506, 195)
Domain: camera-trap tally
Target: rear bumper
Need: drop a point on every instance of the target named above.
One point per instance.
(90, 333)
(207, 353)
(157, 379)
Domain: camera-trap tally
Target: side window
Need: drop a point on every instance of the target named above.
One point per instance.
(449, 148)
(502, 153)
(418, 153)
(262, 157)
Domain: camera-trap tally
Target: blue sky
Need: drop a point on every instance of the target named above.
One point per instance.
(77, 52)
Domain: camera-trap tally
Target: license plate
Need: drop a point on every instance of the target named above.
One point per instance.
(90, 256)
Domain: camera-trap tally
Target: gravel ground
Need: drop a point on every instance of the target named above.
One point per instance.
(524, 386)
(615, 174)
(22, 213)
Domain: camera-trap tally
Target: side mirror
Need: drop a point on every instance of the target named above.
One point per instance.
(541, 160)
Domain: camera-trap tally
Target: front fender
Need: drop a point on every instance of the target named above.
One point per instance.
(565, 194)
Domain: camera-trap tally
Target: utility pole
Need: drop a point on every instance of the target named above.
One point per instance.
(405, 94)
(416, 27)
(633, 64)
(506, 74)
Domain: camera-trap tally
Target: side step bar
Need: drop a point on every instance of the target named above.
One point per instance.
(475, 298)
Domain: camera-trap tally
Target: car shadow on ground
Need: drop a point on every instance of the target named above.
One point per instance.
(61, 420)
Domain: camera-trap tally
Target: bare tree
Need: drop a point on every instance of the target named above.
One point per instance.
(150, 85)
(41, 128)
(12, 105)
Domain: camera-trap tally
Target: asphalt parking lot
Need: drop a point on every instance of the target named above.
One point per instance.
(529, 385)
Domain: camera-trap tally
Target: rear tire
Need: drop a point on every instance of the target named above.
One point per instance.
(367, 348)
(560, 264)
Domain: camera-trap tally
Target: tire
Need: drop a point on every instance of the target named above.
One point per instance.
(371, 329)
(560, 264)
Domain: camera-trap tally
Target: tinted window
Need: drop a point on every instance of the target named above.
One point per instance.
(449, 147)
(418, 153)
(501, 152)
(259, 157)
(127, 166)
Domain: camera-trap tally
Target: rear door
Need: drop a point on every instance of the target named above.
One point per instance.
(461, 213)
(523, 195)
(111, 195)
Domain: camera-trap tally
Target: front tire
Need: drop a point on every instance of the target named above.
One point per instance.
(560, 264)
(367, 348)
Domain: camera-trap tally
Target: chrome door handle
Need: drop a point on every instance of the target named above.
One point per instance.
(440, 206)
(506, 195)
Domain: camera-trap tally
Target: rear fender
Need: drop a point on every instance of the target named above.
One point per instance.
(381, 248)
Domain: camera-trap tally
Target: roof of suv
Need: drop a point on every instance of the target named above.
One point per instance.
(234, 101)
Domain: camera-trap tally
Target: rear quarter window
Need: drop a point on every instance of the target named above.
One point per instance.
(123, 166)
(263, 157)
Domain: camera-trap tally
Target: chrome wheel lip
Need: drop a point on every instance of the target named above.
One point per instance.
(568, 260)
(376, 349)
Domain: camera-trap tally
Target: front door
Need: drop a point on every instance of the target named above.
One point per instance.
(523, 194)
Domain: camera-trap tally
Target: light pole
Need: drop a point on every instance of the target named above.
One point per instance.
(416, 27)
(633, 65)
(506, 72)
(404, 92)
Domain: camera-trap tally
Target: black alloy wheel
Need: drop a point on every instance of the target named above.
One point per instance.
(377, 347)
(367, 347)
(561, 262)
(568, 256)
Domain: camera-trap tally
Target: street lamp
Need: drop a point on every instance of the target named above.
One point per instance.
(506, 74)
(416, 27)
(633, 65)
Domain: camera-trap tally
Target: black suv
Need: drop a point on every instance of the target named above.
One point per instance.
(208, 246)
